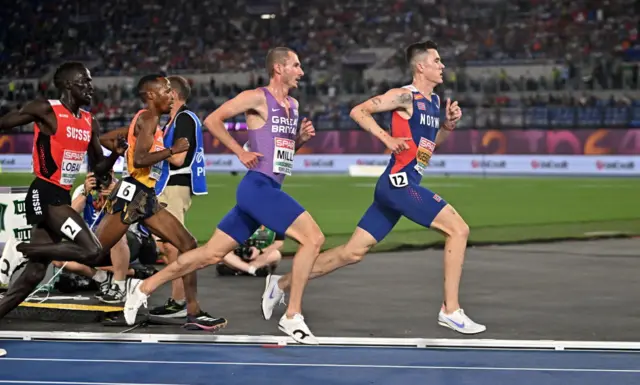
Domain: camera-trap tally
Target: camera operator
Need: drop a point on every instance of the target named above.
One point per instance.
(258, 256)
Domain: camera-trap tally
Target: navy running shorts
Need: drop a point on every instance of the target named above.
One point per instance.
(390, 203)
(260, 201)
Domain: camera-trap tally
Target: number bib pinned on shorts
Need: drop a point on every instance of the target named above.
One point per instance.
(71, 163)
(283, 155)
(423, 155)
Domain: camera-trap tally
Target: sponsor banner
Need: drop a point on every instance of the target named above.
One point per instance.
(24, 163)
(439, 164)
(13, 220)
(604, 141)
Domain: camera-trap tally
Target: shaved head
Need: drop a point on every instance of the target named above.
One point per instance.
(148, 83)
(278, 55)
(415, 52)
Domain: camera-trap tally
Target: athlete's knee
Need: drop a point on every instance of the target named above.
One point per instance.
(353, 254)
(212, 255)
(460, 229)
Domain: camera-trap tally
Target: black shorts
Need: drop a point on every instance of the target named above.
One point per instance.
(40, 196)
(135, 201)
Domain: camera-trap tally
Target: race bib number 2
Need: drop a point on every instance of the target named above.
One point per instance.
(126, 191)
(399, 179)
(283, 156)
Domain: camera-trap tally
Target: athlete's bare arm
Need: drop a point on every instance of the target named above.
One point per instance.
(144, 130)
(394, 99)
(242, 103)
(453, 114)
(109, 140)
(246, 101)
(97, 161)
(38, 111)
(306, 130)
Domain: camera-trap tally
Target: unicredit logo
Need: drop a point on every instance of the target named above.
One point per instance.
(437, 164)
(371, 162)
(548, 164)
(318, 163)
(488, 164)
(219, 162)
(602, 165)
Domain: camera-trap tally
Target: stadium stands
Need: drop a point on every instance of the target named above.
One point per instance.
(509, 63)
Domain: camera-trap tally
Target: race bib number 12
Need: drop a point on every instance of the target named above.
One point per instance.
(399, 179)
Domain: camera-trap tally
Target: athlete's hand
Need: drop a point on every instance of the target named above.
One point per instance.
(249, 159)
(307, 131)
(180, 145)
(453, 114)
(89, 182)
(397, 145)
(121, 145)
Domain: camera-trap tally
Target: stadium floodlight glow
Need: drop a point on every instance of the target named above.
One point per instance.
(266, 16)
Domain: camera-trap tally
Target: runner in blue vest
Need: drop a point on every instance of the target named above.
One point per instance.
(183, 175)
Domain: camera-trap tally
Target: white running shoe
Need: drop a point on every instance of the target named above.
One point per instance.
(297, 329)
(135, 299)
(271, 296)
(460, 322)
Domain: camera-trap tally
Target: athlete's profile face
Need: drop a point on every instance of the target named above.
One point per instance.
(292, 70)
(163, 95)
(432, 66)
(81, 86)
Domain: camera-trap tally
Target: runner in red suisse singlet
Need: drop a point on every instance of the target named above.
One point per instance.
(58, 158)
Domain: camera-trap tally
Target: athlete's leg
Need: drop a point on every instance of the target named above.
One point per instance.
(307, 233)
(373, 227)
(64, 221)
(168, 227)
(33, 273)
(456, 232)
(235, 226)
(428, 209)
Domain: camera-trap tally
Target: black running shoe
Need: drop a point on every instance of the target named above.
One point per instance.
(204, 321)
(171, 309)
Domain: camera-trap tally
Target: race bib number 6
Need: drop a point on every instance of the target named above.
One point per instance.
(399, 179)
(126, 191)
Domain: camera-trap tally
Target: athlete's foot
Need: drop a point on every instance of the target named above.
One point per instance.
(297, 329)
(135, 299)
(271, 296)
(204, 321)
(459, 322)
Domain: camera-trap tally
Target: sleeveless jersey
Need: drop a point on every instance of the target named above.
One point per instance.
(408, 166)
(276, 139)
(148, 176)
(58, 158)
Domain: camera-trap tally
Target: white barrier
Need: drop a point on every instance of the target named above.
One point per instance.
(13, 222)
(360, 164)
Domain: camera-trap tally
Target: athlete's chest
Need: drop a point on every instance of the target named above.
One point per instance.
(73, 131)
(425, 117)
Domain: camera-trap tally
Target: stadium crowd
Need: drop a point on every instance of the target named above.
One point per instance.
(592, 45)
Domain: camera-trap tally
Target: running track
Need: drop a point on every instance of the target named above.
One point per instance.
(111, 363)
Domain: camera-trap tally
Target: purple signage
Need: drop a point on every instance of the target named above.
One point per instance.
(566, 142)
